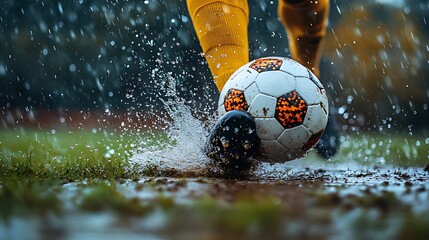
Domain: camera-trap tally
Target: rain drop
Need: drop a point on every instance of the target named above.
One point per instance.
(72, 67)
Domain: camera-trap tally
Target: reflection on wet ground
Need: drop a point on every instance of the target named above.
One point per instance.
(307, 203)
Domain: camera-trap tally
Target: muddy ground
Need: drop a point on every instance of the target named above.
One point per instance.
(321, 202)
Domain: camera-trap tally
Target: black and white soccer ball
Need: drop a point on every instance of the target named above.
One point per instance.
(287, 101)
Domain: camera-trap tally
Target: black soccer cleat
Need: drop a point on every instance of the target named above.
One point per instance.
(233, 141)
(330, 141)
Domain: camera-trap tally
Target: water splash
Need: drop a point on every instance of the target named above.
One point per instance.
(180, 146)
(181, 149)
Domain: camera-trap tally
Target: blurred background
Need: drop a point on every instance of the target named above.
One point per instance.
(81, 63)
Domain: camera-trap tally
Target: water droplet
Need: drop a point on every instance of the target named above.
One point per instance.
(72, 67)
(247, 145)
(225, 142)
(349, 99)
(341, 110)
(60, 8)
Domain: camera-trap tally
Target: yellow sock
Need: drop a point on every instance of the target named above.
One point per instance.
(305, 22)
(221, 27)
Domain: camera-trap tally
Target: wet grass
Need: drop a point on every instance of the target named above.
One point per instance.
(260, 211)
(397, 150)
(58, 177)
(67, 155)
(77, 155)
(25, 197)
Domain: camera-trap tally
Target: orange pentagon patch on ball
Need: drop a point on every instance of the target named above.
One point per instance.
(290, 110)
(266, 64)
(235, 100)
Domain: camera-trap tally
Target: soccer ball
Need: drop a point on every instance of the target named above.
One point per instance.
(287, 101)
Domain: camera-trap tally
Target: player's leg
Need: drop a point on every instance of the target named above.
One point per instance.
(221, 28)
(305, 22)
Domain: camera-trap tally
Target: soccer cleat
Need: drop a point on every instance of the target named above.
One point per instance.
(330, 141)
(233, 141)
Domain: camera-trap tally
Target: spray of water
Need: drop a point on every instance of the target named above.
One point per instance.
(180, 146)
(181, 149)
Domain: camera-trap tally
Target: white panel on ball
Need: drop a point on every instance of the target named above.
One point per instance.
(250, 93)
(315, 79)
(294, 68)
(242, 68)
(294, 138)
(325, 103)
(221, 110)
(308, 91)
(223, 93)
(315, 119)
(273, 152)
(263, 106)
(243, 79)
(268, 128)
(275, 83)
